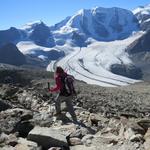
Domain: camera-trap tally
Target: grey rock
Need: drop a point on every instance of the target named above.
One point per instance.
(55, 148)
(4, 105)
(24, 142)
(145, 123)
(9, 119)
(75, 141)
(136, 128)
(136, 138)
(26, 116)
(147, 140)
(82, 147)
(23, 128)
(76, 134)
(85, 140)
(12, 140)
(48, 137)
(7, 147)
(3, 137)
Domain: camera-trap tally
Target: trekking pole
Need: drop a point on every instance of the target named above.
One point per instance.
(50, 101)
(48, 85)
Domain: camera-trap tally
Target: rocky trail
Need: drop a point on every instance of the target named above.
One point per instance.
(108, 118)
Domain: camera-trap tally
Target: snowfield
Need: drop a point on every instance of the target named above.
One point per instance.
(29, 47)
(106, 31)
(91, 64)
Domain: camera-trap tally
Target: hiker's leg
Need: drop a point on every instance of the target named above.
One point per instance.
(58, 104)
(70, 107)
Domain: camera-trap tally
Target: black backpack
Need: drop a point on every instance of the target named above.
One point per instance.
(68, 84)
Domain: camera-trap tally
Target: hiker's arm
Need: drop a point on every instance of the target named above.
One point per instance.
(57, 87)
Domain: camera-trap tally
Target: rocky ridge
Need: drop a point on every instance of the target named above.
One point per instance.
(108, 118)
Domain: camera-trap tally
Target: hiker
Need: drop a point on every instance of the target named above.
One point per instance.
(64, 94)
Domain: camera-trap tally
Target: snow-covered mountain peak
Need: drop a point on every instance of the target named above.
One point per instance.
(81, 12)
(30, 25)
(143, 15)
(102, 24)
(142, 10)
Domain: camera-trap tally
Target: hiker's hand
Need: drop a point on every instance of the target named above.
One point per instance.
(50, 90)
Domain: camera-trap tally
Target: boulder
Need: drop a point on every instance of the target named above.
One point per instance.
(3, 138)
(129, 133)
(87, 140)
(10, 120)
(135, 128)
(26, 145)
(136, 138)
(55, 148)
(7, 147)
(23, 127)
(48, 137)
(75, 141)
(26, 116)
(145, 123)
(147, 140)
(12, 140)
(76, 134)
(108, 139)
(94, 119)
(83, 147)
(4, 105)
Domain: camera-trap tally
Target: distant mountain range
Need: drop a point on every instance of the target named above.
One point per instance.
(121, 38)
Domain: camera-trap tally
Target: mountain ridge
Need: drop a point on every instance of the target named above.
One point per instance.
(99, 25)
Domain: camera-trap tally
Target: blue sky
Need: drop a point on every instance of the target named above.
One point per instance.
(18, 12)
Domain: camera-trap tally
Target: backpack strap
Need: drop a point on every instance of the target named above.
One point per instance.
(63, 90)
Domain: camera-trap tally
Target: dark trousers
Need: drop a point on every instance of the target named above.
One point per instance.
(68, 101)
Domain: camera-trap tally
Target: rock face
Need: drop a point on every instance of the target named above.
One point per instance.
(10, 54)
(140, 45)
(10, 35)
(48, 137)
(139, 52)
(143, 14)
(48, 55)
(129, 71)
(41, 35)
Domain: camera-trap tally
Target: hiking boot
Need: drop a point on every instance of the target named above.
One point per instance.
(57, 114)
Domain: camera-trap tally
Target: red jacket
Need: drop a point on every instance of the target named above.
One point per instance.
(58, 85)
